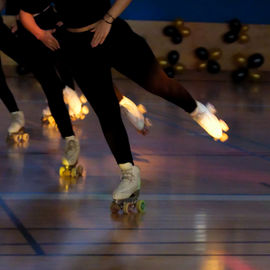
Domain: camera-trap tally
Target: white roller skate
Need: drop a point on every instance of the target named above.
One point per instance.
(76, 108)
(70, 159)
(125, 196)
(16, 132)
(206, 118)
(135, 115)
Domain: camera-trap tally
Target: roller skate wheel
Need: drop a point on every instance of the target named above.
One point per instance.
(83, 99)
(73, 172)
(224, 126)
(61, 171)
(115, 208)
(224, 137)
(82, 117)
(85, 110)
(127, 208)
(140, 206)
(16, 138)
(26, 137)
(80, 170)
(141, 109)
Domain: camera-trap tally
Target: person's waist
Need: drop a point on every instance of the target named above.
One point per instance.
(44, 10)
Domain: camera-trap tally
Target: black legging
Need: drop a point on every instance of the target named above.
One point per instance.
(5, 93)
(34, 56)
(130, 54)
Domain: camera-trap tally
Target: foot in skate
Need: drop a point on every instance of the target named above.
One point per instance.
(135, 115)
(16, 133)
(70, 159)
(206, 118)
(125, 196)
(75, 103)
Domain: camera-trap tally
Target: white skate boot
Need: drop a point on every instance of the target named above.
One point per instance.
(135, 115)
(16, 129)
(126, 195)
(70, 158)
(76, 109)
(205, 117)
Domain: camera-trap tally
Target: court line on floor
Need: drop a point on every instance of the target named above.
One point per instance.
(147, 197)
(138, 255)
(20, 227)
(140, 243)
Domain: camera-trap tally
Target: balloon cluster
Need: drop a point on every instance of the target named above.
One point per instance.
(208, 59)
(237, 32)
(177, 31)
(171, 66)
(246, 67)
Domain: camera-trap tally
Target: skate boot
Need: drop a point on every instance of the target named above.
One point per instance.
(205, 117)
(135, 115)
(76, 108)
(125, 196)
(16, 132)
(70, 159)
(47, 118)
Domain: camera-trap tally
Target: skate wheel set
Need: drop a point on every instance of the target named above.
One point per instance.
(128, 205)
(80, 116)
(48, 120)
(147, 122)
(20, 137)
(71, 171)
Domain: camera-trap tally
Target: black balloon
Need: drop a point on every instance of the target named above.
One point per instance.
(170, 72)
(170, 31)
(22, 70)
(235, 25)
(173, 57)
(230, 37)
(256, 60)
(213, 67)
(239, 75)
(177, 38)
(202, 53)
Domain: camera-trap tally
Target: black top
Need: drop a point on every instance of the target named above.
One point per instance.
(12, 7)
(74, 13)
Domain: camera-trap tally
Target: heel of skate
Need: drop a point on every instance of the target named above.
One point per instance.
(128, 205)
(71, 171)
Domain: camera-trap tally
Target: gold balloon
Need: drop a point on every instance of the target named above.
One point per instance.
(163, 62)
(244, 38)
(185, 31)
(240, 60)
(244, 28)
(179, 23)
(215, 54)
(179, 68)
(202, 66)
(254, 76)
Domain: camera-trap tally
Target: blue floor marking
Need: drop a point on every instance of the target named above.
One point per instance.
(20, 227)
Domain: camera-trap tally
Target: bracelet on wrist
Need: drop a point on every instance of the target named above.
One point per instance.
(110, 16)
(107, 21)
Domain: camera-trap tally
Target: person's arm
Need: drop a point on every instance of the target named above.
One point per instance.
(103, 27)
(45, 36)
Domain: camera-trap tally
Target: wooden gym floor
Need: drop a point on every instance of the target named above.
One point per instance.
(208, 203)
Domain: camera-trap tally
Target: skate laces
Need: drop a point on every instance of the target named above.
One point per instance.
(127, 176)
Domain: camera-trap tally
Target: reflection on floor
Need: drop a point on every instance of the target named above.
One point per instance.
(208, 203)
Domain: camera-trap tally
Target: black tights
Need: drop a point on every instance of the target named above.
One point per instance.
(129, 54)
(5, 93)
(33, 55)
